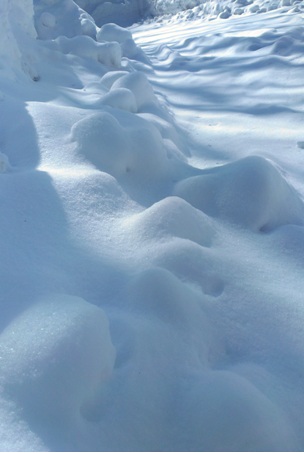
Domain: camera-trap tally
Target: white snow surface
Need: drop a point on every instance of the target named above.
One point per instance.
(152, 227)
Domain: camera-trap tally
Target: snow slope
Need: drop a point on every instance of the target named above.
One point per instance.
(152, 230)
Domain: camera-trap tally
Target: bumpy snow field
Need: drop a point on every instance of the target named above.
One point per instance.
(152, 227)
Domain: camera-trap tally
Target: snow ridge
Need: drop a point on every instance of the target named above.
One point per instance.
(152, 230)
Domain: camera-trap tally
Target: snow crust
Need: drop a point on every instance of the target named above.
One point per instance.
(152, 237)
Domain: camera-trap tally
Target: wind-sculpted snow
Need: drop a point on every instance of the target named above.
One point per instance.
(151, 195)
(249, 192)
(209, 10)
(55, 358)
(135, 11)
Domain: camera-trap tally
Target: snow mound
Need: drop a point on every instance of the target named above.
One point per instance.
(130, 153)
(172, 216)
(122, 99)
(54, 360)
(87, 207)
(108, 53)
(113, 32)
(181, 258)
(163, 296)
(250, 192)
(138, 83)
(110, 77)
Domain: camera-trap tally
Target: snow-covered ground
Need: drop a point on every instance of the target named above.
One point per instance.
(152, 228)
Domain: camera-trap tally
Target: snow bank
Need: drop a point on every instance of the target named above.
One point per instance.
(250, 192)
(55, 358)
(17, 33)
(122, 12)
(55, 18)
(105, 200)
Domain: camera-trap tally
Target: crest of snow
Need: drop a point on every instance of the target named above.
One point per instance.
(127, 153)
(113, 32)
(108, 53)
(250, 192)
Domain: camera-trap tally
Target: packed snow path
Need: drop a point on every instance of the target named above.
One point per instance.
(152, 234)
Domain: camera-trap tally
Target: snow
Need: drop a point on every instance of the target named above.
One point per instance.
(249, 192)
(121, 12)
(152, 226)
(17, 31)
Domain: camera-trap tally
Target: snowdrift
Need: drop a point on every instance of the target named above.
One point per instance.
(151, 228)
(249, 192)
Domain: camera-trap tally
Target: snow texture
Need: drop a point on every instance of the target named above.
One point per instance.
(152, 225)
(17, 32)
